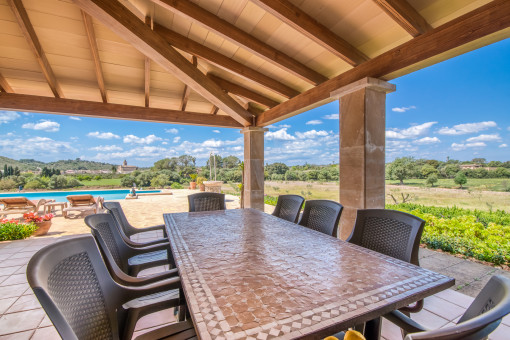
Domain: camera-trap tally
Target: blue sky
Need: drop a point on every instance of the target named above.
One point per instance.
(459, 108)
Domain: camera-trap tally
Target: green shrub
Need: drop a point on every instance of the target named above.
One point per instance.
(35, 184)
(176, 185)
(72, 182)
(270, 200)
(13, 230)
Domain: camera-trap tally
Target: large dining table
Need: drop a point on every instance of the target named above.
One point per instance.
(250, 275)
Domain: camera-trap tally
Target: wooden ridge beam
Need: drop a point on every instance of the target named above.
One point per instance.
(190, 46)
(237, 36)
(91, 36)
(147, 70)
(187, 90)
(488, 19)
(73, 107)
(127, 26)
(4, 85)
(28, 31)
(243, 91)
(405, 15)
(308, 26)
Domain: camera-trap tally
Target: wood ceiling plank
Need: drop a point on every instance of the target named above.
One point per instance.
(187, 90)
(127, 25)
(486, 20)
(31, 37)
(4, 85)
(147, 69)
(243, 91)
(191, 46)
(405, 15)
(308, 26)
(234, 34)
(108, 110)
(91, 36)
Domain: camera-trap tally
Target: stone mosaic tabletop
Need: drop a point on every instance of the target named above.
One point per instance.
(250, 275)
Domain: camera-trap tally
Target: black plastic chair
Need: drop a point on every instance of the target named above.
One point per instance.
(127, 259)
(481, 318)
(206, 201)
(322, 215)
(82, 300)
(115, 209)
(288, 207)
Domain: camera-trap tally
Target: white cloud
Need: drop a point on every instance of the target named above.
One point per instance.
(172, 130)
(464, 146)
(282, 126)
(314, 122)
(14, 147)
(141, 153)
(43, 125)
(216, 131)
(427, 140)
(485, 138)
(212, 143)
(164, 143)
(409, 133)
(103, 135)
(503, 145)
(462, 129)
(106, 148)
(332, 116)
(177, 139)
(403, 109)
(75, 118)
(279, 135)
(8, 116)
(311, 134)
(132, 139)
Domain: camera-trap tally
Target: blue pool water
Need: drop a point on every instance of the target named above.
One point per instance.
(60, 196)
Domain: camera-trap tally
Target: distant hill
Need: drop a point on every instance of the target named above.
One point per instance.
(69, 164)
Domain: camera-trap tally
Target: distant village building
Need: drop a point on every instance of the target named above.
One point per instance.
(125, 168)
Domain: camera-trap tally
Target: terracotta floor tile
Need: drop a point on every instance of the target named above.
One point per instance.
(14, 279)
(455, 297)
(22, 255)
(390, 330)
(46, 333)
(45, 322)
(18, 336)
(6, 303)
(13, 290)
(501, 333)
(22, 321)
(428, 319)
(9, 270)
(21, 270)
(443, 308)
(26, 302)
(13, 262)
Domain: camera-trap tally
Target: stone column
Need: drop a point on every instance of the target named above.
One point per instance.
(254, 167)
(362, 140)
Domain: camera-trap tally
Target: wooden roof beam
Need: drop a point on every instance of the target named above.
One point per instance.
(488, 19)
(187, 90)
(91, 36)
(147, 69)
(308, 26)
(4, 85)
(405, 15)
(126, 25)
(243, 91)
(190, 46)
(241, 38)
(28, 31)
(52, 105)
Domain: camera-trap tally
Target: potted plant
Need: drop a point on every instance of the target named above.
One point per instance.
(12, 229)
(200, 182)
(193, 184)
(43, 223)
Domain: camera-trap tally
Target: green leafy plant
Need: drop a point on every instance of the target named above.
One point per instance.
(201, 180)
(193, 177)
(15, 230)
(176, 185)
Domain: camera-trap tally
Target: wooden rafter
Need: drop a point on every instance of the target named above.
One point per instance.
(486, 20)
(4, 85)
(405, 15)
(214, 110)
(29, 33)
(107, 110)
(187, 45)
(187, 90)
(91, 36)
(242, 91)
(308, 26)
(147, 69)
(241, 38)
(126, 25)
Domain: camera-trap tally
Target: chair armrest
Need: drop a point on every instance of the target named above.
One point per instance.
(177, 331)
(156, 247)
(404, 322)
(152, 288)
(145, 280)
(153, 228)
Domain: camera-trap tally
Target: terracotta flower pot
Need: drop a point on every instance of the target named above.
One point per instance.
(202, 187)
(42, 228)
(193, 185)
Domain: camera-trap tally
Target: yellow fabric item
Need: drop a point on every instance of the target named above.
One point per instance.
(353, 335)
(330, 338)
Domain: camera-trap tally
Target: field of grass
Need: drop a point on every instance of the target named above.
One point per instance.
(104, 182)
(491, 184)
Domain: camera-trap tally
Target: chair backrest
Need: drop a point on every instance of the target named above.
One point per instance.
(80, 200)
(115, 209)
(322, 215)
(288, 207)
(106, 232)
(75, 289)
(390, 232)
(206, 201)
(481, 318)
(16, 203)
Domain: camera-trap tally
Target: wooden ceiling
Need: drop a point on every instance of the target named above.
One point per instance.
(228, 63)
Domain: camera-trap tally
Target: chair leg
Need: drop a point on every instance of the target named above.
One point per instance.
(373, 329)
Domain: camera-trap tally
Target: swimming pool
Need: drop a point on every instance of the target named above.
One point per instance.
(60, 196)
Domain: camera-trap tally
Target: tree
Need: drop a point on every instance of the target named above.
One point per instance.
(432, 179)
(114, 169)
(401, 168)
(460, 179)
(277, 168)
(428, 170)
(450, 170)
(231, 162)
(479, 160)
(160, 181)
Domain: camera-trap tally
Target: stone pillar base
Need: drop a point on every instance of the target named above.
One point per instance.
(254, 167)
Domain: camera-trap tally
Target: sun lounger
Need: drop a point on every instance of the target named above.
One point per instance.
(83, 203)
(20, 205)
